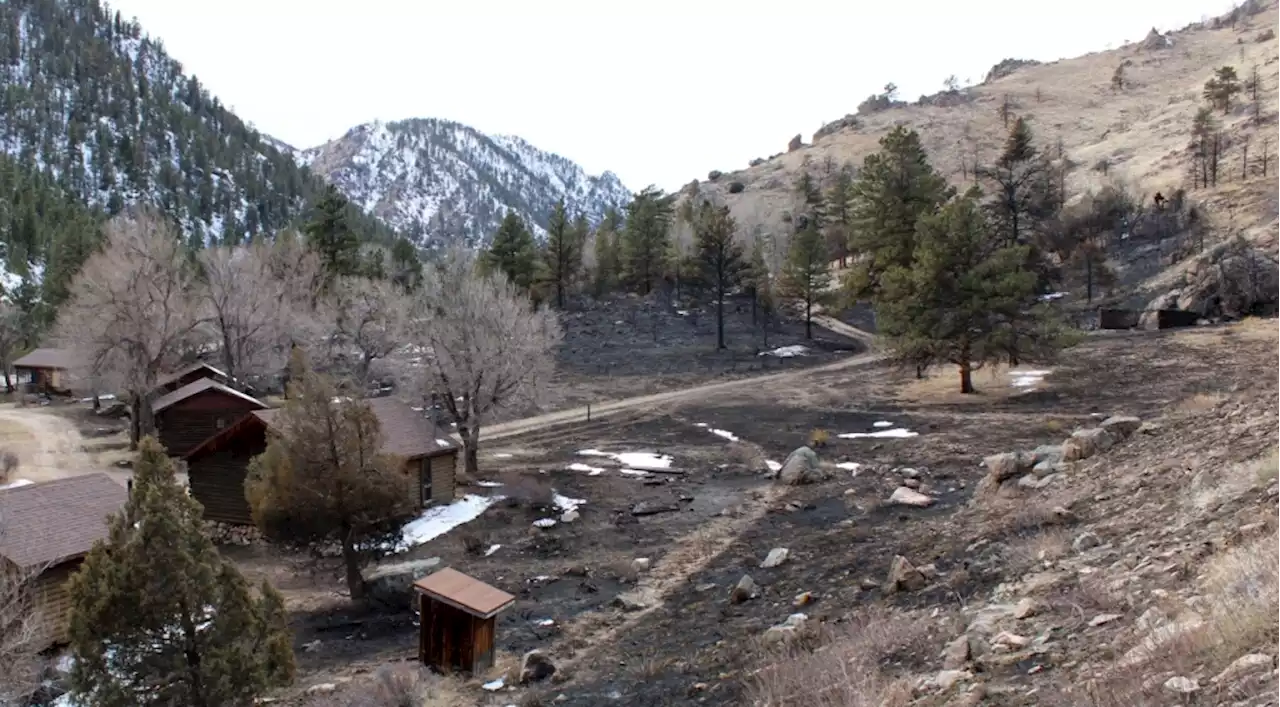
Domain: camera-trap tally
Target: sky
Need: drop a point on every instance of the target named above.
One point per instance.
(659, 92)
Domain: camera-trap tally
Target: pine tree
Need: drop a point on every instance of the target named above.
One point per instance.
(513, 252)
(608, 257)
(329, 234)
(1024, 194)
(717, 258)
(1205, 139)
(963, 291)
(159, 618)
(755, 276)
(562, 255)
(895, 189)
(838, 216)
(406, 266)
(806, 275)
(808, 194)
(646, 238)
(323, 478)
(1222, 88)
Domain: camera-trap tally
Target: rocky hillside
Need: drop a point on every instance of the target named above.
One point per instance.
(439, 181)
(1133, 132)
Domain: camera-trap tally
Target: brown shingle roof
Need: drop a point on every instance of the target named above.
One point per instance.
(54, 521)
(197, 387)
(45, 358)
(467, 593)
(405, 432)
(191, 368)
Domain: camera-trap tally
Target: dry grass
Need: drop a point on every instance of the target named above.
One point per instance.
(1248, 330)
(398, 687)
(1032, 551)
(848, 669)
(1201, 403)
(818, 438)
(941, 385)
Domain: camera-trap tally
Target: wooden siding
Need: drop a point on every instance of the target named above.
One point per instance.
(451, 639)
(186, 424)
(53, 600)
(217, 480)
(444, 477)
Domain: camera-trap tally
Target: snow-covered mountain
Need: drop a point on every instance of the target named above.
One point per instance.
(438, 181)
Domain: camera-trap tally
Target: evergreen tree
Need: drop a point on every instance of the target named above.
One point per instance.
(406, 266)
(895, 189)
(1024, 193)
(329, 234)
(755, 276)
(323, 477)
(837, 212)
(607, 251)
(717, 258)
(809, 197)
(646, 238)
(1222, 88)
(806, 275)
(512, 252)
(562, 255)
(963, 292)
(159, 618)
(1205, 148)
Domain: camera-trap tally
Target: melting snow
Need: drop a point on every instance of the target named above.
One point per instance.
(443, 442)
(502, 455)
(895, 433)
(565, 503)
(882, 423)
(494, 685)
(544, 523)
(547, 622)
(787, 351)
(636, 460)
(634, 472)
(16, 483)
(438, 520)
(849, 466)
(492, 549)
(591, 470)
(773, 465)
(726, 434)
(1028, 379)
(489, 484)
(1052, 296)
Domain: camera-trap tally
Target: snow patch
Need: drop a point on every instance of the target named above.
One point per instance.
(635, 460)
(494, 685)
(438, 520)
(726, 434)
(489, 484)
(501, 455)
(16, 483)
(1027, 379)
(443, 442)
(492, 549)
(634, 472)
(565, 503)
(591, 470)
(773, 465)
(895, 433)
(544, 523)
(849, 466)
(787, 351)
(882, 423)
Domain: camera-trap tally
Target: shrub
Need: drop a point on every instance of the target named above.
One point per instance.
(528, 492)
(1266, 35)
(474, 543)
(714, 175)
(818, 438)
(8, 463)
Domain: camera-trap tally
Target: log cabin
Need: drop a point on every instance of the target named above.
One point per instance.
(189, 374)
(197, 411)
(216, 468)
(457, 625)
(49, 527)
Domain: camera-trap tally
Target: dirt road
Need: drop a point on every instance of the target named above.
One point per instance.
(48, 446)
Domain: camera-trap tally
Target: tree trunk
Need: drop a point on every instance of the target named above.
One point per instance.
(8, 380)
(351, 560)
(1088, 280)
(808, 318)
(471, 449)
(135, 423)
(753, 308)
(919, 372)
(720, 320)
(966, 377)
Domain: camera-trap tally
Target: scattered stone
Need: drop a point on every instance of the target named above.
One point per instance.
(930, 571)
(801, 467)
(1010, 640)
(1006, 465)
(648, 508)
(1083, 444)
(786, 631)
(1085, 541)
(311, 646)
(776, 556)
(1121, 426)
(802, 599)
(536, 666)
(1181, 685)
(1101, 619)
(868, 583)
(903, 576)
(627, 602)
(1150, 428)
(1025, 608)
(744, 590)
(1244, 665)
(1046, 453)
(569, 516)
(1151, 619)
(323, 688)
(947, 679)
(913, 484)
(640, 565)
(1032, 482)
(904, 496)
(956, 654)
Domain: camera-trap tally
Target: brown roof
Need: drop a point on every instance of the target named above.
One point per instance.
(467, 593)
(45, 358)
(405, 432)
(188, 369)
(195, 388)
(50, 522)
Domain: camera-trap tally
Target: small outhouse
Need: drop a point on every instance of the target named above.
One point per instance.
(458, 623)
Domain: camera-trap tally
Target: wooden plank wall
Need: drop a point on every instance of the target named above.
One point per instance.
(217, 481)
(53, 599)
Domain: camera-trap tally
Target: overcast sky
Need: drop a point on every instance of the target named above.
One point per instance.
(660, 92)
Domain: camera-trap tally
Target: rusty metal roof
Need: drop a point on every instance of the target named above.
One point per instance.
(54, 521)
(195, 388)
(45, 358)
(405, 432)
(467, 593)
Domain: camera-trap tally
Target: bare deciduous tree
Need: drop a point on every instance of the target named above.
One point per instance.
(370, 320)
(249, 307)
(22, 631)
(489, 347)
(132, 312)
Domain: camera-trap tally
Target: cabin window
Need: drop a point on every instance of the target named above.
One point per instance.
(424, 480)
(221, 422)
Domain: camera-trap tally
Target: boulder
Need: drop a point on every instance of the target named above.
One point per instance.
(745, 589)
(801, 467)
(536, 666)
(1230, 281)
(1154, 41)
(1121, 426)
(903, 496)
(1181, 685)
(776, 557)
(640, 565)
(904, 577)
(786, 631)
(956, 654)
(1245, 665)
(1046, 453)
(714, 175)
(390, 585)
(796, 143)
(1007, 465)
(1083, 444)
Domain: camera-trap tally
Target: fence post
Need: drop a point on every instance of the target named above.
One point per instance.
(588, 412)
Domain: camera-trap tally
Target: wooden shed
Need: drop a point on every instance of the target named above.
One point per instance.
(48, 529)
(197, 411)
(189, 374)
(216, 468)
(458, 621)
(47, 370)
